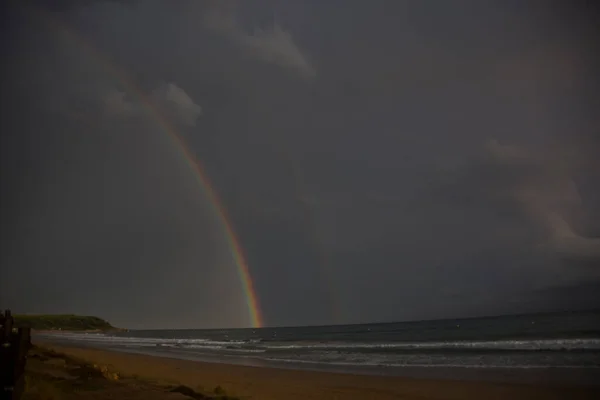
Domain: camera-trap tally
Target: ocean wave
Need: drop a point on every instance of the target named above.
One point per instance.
(566, 353)
(520, 345)
(426, 364)
(361, 360)
(253, 345)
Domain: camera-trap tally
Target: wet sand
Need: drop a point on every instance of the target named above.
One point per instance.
(284, 384)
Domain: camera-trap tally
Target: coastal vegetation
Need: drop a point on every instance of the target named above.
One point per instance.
(64, 322)
(52, 375)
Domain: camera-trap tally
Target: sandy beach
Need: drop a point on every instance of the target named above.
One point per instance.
(277, 384)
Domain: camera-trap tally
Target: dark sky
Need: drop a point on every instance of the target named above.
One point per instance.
(379, 160)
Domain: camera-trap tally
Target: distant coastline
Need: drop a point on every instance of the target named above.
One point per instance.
(64, 322)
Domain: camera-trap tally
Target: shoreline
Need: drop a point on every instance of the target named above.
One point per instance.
(581, 376)
(576, 376)
(267, 382)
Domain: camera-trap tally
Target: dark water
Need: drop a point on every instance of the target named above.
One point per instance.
(537, 341)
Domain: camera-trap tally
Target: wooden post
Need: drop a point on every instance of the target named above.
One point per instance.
(14, 345)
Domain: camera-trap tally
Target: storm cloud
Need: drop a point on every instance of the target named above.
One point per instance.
(376, 160)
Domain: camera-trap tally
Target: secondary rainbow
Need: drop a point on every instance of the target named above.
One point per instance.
(237, 254)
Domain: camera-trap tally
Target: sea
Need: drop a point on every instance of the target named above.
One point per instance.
(561, 346)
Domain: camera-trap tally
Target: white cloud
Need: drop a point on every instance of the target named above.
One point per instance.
(274, 45)
(277, 46)
(547, 192)
(176, 104)
(170, 99)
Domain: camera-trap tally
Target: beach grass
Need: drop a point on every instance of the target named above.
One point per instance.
(53, 375)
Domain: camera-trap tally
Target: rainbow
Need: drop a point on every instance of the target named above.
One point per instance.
(254, 311)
